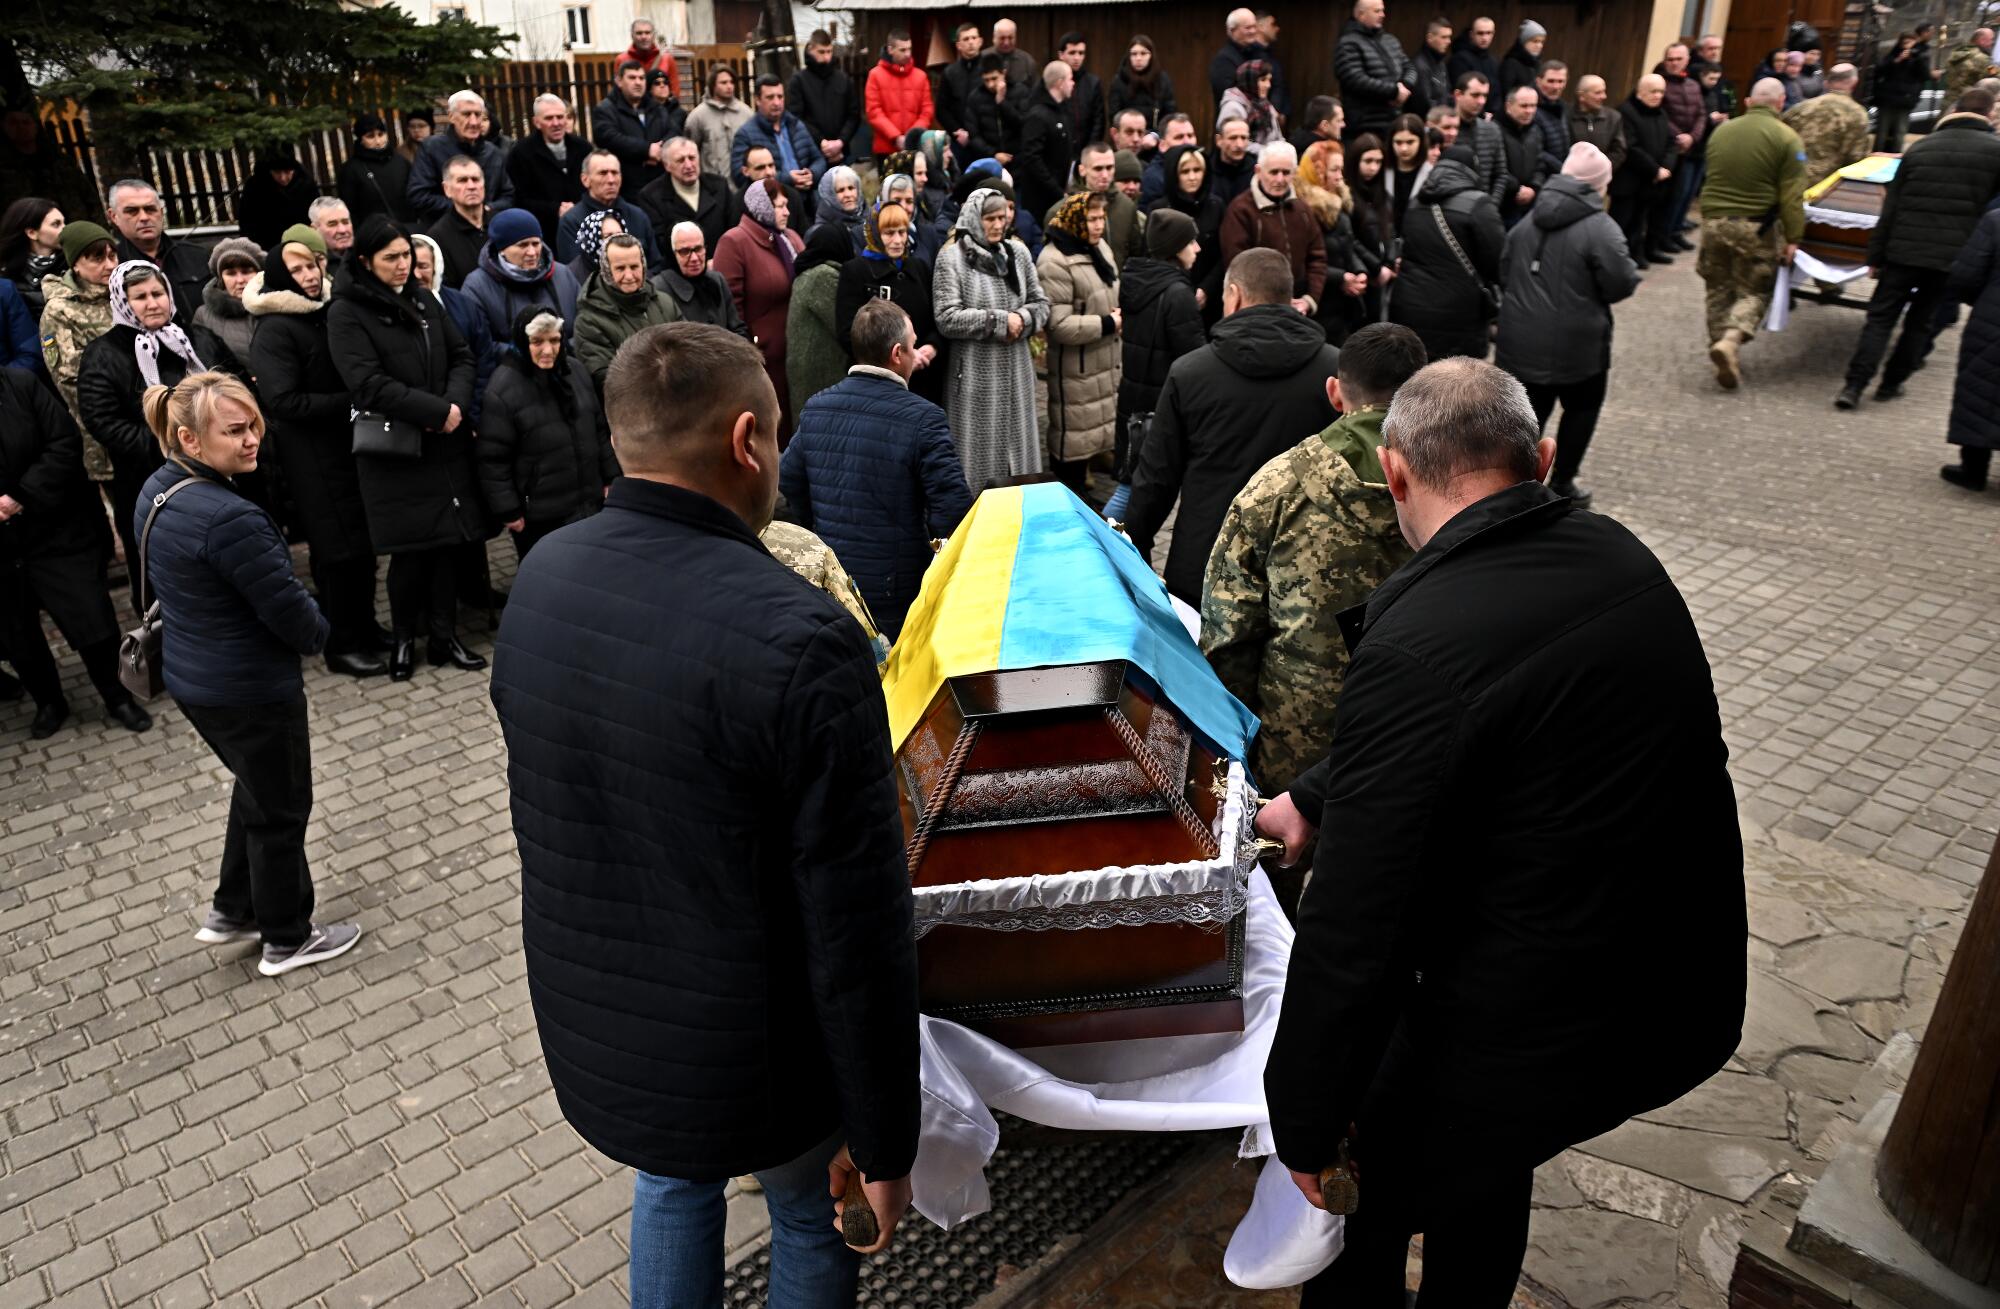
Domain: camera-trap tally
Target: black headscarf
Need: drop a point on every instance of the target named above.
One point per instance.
(556, 379)
(828, 243)
(277, 277)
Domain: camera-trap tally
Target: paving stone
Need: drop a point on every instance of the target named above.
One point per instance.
(1593, 1259)
(1732, 1103)
(1734, 1167)
(1847, 968)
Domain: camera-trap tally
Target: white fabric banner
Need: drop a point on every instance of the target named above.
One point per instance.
(1781, 301)
(1167, 1084)
(1820, 270)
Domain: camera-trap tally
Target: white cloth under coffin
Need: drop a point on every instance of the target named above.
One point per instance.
(1168, 1084)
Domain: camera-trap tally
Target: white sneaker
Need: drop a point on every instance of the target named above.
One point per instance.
(220, 929)
(322, 944)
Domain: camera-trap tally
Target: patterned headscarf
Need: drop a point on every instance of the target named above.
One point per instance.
(829, 202)
(876, 250)
(1263, 117)
(758, 203)
(1072, 215)
(590, 237)
(147, 347)
(903, 161)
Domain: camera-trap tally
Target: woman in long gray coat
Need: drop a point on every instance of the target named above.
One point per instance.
(990, 301)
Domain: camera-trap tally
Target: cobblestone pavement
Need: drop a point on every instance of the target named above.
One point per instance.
(181, 1131)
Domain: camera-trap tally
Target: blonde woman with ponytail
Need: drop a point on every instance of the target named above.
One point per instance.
(237, 622)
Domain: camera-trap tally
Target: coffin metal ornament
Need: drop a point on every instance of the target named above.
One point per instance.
(1079, 846)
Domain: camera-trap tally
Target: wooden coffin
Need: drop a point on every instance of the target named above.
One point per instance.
(1839, 243)
(1064, 770)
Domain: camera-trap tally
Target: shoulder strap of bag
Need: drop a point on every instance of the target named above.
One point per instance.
(146, 535)
(1444, 230)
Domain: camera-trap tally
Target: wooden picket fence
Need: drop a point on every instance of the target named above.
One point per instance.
(200, 187)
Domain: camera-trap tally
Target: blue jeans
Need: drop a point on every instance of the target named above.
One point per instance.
(677, 1239)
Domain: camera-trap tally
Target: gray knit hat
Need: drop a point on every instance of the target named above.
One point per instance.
(234, 247)
(1530, 29)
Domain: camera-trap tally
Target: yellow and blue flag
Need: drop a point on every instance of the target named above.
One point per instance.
(1033, 578)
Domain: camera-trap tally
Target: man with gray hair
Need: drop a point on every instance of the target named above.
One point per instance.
(1271, 214)
(1527, 715)
(139, 217)
(1753, 214)
(546, 166)
(1245, 43)
(466, 132)
(329, 216)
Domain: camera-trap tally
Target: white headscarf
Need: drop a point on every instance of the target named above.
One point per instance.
(147, 347)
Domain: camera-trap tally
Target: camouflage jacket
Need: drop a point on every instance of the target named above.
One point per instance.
(1968, 64)
(1313, 533)
(813, 559)
(1834, 131)
(75, 314)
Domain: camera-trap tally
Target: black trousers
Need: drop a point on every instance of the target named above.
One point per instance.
(1898, 287)
(27, 644)
(1643, 217)
(124, 488)
(264, 878)
(1435, 1171)
(423, 592)
(1891, 126)
(1581, 403)
(347, 593)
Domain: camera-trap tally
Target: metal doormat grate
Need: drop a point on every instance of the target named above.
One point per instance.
(1056, 1186)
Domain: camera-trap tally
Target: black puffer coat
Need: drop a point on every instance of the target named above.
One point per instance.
(1565, 266)
(1371, 64)
(1938, 195)
(863, 279)
(375, 182)
(1162, 323)
(536, 461)
(715, 913)
(400, 356)
(1255, 391)
(1041, 168)
(1435, 297)
(307, 408)
(1975, 279)
(60, 542)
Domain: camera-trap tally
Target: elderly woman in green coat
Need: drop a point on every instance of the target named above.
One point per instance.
(814, 359)
(617, 302)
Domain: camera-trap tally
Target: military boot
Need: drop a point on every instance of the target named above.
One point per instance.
(1723, 355)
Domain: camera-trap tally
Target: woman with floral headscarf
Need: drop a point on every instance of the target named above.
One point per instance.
(989, 302)
(145, 347)
(1250, 100)
(889, 269)
(595, 230)
(755, 259)
(839, 206)
(1083, 362)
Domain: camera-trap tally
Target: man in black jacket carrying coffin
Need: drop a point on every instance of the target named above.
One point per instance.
(715, 910)
(1526, 919)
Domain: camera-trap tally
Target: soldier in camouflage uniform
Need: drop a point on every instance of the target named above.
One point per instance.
(1312, 533)
(1752, 215)
(1968, 64)
(1832, 127)
(77, 311)
(813, 559)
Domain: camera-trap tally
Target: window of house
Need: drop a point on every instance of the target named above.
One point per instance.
(576, 25)
(449, 13)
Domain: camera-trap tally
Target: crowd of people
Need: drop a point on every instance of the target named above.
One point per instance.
(855, 308)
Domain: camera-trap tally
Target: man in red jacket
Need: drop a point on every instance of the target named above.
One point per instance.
(645, 52)
(898, 97)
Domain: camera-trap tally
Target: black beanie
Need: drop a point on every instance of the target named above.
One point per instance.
(1168, 232)
(366, 123)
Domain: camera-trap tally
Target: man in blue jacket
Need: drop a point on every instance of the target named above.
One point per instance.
(714, 906)
(799, 161)
(872, 468)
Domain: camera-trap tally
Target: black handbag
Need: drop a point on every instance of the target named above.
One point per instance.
(386, 437)
(139, 651)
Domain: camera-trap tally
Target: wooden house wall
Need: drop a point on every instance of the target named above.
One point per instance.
(1608, 37)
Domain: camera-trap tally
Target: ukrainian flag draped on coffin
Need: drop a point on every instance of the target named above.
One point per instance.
(1033, 578)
